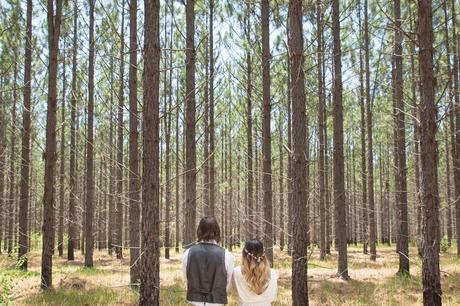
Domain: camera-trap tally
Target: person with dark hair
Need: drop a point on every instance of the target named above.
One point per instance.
(255, 282)
(207, 267)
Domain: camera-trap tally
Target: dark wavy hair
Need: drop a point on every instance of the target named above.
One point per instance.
(208, 230)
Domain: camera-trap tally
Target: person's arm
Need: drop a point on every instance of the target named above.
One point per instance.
(229, 265)
(275, 287)
(184, 266)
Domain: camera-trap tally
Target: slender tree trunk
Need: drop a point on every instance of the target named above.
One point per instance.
(416, 127)
(289, 136)
(12, 171)
(450, 110)
(177, 167)
(281, 184)
(54, 28)
(456, 157)
(326, 180)
(150, 264)
(299, 171)
(119, 202)
(90, 147)
(339, 188)
(62, 162)
(250, 170)
(400, 148)
(134, 179)
(267, 152)
(212, 170)
(448, 214)
(321, 123)
(190, 113)
(370, 152)
(430, 196)
(72, 231)
(25, 152)
(2, 167)
(364, 236)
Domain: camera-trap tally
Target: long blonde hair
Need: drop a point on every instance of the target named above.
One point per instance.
(255, 266)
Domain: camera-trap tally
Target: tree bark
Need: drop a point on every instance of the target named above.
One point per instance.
(119, 194)
(267, 151)
(72, 231)
(250, 170)
(12, 171)
(430, 196)
(339, 188)
(2, 167)
(321, 123)
(456, 157)
(89, 246)
(299, 170)
(400, 145)
(370, 152)
(364, 234)
(212, 170)
(54, 28)
(134, 179)
(25, 152)
(150, 265)
(190, 113)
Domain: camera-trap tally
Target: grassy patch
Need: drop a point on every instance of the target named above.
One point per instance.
(94, 296)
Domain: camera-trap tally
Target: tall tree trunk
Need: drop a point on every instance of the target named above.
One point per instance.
(134, 180)
(25, 152)
(448, 214)
(281, 184)
(450, 110)
(2, 167)
(190, 113)
(89, 246)
(321, 123)
(299, 170)
(416, 127)
(72, 231)
(250, 170)
(112, 172)
(150, 264)
(400, 148)
(177, 199)
(54, 28)
(212, 170)
(267, 151)
(364, 236)
(289, 140)
(339, 188)
(370, 153)
(206, 156)
(62, 161)
(456, 157)
(12, 171)
(119, 201)
(326, 178)
(430, 196)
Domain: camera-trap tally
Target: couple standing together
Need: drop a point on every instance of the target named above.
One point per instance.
(209, 271)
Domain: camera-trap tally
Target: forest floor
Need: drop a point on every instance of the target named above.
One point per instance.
(372, 283)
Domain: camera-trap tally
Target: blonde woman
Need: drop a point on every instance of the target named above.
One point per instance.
(254, 281)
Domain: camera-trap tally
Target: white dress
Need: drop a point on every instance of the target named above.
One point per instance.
(248, 297)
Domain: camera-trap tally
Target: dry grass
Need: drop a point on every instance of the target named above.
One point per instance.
(372, 283)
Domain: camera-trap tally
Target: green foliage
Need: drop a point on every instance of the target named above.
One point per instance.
(5, 289)
(444, 244)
